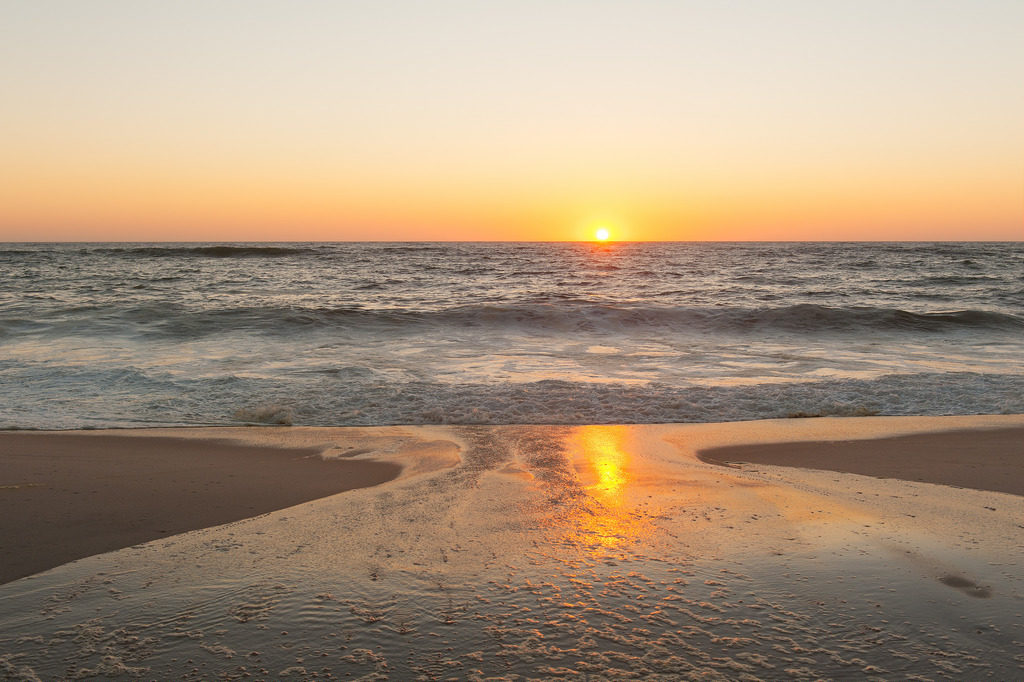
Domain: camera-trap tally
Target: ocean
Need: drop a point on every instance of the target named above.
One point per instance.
(128, 335)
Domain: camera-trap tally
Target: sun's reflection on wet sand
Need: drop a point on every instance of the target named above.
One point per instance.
(604, 464)
(602, 446)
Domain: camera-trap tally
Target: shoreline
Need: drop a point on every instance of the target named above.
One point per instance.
(66, 495)
(191, 430)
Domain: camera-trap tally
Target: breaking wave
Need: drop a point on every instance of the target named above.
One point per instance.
(564, 317)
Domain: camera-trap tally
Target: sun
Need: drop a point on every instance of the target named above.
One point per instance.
(602, 234)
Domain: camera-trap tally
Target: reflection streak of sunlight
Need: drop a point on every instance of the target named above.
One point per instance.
(603, 462)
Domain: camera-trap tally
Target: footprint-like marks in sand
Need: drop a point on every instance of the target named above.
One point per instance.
(966, 586)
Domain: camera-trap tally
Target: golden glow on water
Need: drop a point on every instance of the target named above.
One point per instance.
(603, 463)
(602, 446)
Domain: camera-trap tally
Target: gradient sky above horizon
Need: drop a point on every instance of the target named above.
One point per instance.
(240, 120)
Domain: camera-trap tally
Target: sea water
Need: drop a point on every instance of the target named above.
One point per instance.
(98, 335)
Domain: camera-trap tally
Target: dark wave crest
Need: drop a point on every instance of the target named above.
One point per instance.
(563, 317)
(810, 317)
(211, 251)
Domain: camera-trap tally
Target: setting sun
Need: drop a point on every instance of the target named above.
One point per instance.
(602, 234)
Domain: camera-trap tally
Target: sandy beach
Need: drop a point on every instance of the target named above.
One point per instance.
(871, 547)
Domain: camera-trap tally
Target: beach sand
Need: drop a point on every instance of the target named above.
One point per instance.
(991, 459)
(550, 551)
(64, 496)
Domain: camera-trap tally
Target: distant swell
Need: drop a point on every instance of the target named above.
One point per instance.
(207, 251)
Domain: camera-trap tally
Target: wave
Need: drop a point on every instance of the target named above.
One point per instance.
(810, 317)
(207, 251)
(574, 315)
(954, 280)
(555, 317)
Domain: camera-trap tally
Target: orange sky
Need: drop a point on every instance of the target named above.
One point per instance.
(512, 121)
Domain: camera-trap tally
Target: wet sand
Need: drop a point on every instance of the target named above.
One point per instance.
(569, 552)
(64, 496)
(983, 459)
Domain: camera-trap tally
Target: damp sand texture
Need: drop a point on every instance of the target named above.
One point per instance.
(64, 496)
(568, 551)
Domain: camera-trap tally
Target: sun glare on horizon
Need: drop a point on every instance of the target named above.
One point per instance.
(601, 234)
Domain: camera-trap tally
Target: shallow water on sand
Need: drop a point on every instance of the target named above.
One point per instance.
(554, 552)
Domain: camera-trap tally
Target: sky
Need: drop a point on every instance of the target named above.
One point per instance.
(258, 120)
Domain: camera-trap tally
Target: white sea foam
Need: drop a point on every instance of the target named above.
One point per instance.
(265, 414)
